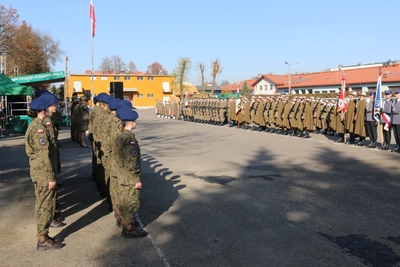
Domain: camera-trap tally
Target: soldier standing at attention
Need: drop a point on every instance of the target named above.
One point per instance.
(370, 122)
(386, 113)
(396, 121)
(129, 173)
(43, 171)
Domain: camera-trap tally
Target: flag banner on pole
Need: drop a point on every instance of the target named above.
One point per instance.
(342, 97)
(378, 100)
(93, 18)
(238, 105)
(387, 119)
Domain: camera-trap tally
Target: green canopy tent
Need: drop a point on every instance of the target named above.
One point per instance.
(8, 87)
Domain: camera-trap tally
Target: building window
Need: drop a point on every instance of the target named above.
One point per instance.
(117, 78)
(140, 96)
(150, 78)
(127, 78)
(260, 87)
(150, 95)
(103, 78)
(140, 78)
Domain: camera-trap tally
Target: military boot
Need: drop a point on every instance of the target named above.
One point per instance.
(45, 242)
(130, 230)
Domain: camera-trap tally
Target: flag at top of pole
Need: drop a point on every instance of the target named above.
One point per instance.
(92, 17)
(378, 99)
(342, 97)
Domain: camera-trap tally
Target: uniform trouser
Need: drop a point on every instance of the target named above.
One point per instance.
(44, 207)
(396, 132)
(127, 202)
(371, 130)
(113, 188)
(387, 136)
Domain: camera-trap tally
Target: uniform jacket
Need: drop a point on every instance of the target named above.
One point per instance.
(128, 158)
(396, 112)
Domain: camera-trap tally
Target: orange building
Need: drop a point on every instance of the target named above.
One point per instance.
(141, 89)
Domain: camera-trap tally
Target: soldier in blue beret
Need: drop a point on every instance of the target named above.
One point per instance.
(43, 170)
(127, 159)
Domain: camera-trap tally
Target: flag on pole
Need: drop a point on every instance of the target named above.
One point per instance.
(387, 119)
(342, 105)
(93, 18)
(378, 100)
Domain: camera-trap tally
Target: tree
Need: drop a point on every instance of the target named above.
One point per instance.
(59, 92)
(215, 70)
(201, 67)
(113, 64)
(132, 66)
(156, 69)
(245, 90)
(225, 82)
(8, 22)
(181, 73)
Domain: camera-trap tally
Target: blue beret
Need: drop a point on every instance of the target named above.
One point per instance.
(41, 103)
(114, 103)
(127, 114)
(388, 92)
(397, 92)
(125, 103)
(103, 97)
(371, 93)
(47, 92)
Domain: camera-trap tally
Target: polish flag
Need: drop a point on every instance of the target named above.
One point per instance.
(342, 105)
(92, 17)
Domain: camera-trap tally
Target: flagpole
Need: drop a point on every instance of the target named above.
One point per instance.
(92, 72)
(380, 120)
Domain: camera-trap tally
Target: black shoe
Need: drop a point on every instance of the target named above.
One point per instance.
(372, 145)
(340, 140)
(361, 143)
(57, 224)
(133, 233)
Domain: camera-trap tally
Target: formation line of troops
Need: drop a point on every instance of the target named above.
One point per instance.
(298, 116)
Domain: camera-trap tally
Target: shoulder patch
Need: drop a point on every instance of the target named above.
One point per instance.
(40, 131)
(134, 153)
(133, 143)
(42, 141)
(48, 123)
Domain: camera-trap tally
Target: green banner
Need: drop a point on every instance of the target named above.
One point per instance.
(40, 77)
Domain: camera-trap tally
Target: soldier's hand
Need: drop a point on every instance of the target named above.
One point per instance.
(138, 186)
(52, 185)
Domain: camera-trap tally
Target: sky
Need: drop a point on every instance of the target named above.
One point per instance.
(249, 37)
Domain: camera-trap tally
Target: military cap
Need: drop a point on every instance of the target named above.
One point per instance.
(83, 98)
(371, 93)
(47, 92)
(41, 103)
(103, 97)
(388, 92)
(113, 104)
(127, 114)
(397, 92)
(354, 93)
(125, 103)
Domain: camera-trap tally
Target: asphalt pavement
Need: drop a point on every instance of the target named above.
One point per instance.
(215, 196)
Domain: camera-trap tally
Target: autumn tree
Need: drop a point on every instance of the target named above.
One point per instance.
(215, 70)
(180, 73)
(113, 64)
(132, 66)
(8, 23)
(201, 68)
(224, 82)
(156, 69)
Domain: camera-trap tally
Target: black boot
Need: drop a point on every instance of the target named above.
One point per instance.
(372, 145)
(129, 230)
(361, 143)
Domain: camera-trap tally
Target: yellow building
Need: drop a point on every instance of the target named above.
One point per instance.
(141, 89)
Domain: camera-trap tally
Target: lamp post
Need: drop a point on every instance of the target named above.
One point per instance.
(290, 89)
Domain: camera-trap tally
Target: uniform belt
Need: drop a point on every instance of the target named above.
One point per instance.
(369, 111)
(396, 113)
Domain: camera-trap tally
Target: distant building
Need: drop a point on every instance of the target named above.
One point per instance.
(141, 89)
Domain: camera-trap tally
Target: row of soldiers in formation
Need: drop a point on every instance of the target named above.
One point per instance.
(300, 115)
(116, 160)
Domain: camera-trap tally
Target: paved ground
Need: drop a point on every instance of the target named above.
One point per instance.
(216, 196)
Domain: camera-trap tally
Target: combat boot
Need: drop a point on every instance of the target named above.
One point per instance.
(372, 145)
(45, 242)
(130, 230)
(57, 223)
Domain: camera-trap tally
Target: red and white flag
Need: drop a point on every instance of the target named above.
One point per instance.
(342, 105)
(92, 17)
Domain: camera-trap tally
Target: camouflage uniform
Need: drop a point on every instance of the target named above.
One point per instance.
(129, 173)
(43, 169)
